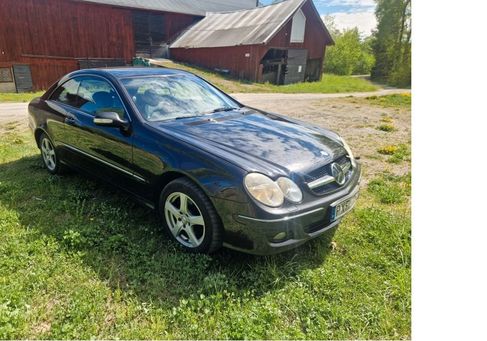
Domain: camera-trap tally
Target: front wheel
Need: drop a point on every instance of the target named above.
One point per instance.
(189, 217)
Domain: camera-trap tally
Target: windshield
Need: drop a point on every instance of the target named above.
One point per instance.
(161, 98)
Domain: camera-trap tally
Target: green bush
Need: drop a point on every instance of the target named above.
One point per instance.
(350, 54)
(386, 127)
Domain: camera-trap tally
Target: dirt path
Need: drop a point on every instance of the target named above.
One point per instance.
(13, 116)
(352, 117)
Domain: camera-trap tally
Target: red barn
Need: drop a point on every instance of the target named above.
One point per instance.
(281, 43)
(40, 40)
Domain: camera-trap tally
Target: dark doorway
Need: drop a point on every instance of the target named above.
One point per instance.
(149, 34)
(274, 66)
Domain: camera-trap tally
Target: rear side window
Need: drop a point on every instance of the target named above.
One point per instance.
(97, 95)
(67, 93)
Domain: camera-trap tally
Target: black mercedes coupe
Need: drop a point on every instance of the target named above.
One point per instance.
(217, 172)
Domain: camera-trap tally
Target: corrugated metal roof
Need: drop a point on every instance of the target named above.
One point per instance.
(244, 27)
(195, 7)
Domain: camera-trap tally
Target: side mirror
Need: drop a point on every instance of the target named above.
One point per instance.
(110, 119)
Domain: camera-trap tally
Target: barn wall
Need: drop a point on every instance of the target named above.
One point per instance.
(65, 29)
(176, 23)
(46, 71)
(231, 58)
(315, 38)
(49, 34)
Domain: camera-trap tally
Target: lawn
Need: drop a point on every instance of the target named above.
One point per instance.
(80, 260)
(20, 97)
(399, 101)
(328, 84)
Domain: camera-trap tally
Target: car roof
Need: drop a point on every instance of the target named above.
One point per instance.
(125, 72)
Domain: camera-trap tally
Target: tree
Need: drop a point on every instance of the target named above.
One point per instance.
(367, 59)
(392, 42)
(350, 54)
(344, 56)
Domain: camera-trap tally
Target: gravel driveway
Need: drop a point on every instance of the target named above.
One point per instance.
(352, 117)
(12, 113)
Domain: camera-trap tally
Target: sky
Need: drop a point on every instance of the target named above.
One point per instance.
(348, 13)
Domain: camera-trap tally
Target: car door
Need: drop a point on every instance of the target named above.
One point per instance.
(61, 104)
(103, 151)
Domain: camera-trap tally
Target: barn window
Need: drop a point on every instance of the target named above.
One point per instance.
(297, 30)
(5, 75)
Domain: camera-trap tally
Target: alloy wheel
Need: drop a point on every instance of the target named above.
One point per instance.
(48, 154)
(184, 219)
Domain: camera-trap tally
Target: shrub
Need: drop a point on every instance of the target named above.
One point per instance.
(386, 127)
(402, 153)
(387, 150)
(349, 55)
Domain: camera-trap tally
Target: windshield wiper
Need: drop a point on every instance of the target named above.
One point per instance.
(190, 116)
(220, 109)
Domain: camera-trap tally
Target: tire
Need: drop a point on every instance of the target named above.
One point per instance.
(195, 226)
(50, 158)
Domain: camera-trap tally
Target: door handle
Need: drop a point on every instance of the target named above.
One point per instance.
(70, 120)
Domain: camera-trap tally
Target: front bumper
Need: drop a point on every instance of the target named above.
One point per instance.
(256, 235)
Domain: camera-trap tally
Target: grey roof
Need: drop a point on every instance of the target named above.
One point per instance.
(244, 27)
(195, 7)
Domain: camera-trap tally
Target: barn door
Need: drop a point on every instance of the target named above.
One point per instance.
(23, 77)
(296, 65)
(149, 34)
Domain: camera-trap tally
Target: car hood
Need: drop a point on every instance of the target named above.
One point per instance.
(259, 140)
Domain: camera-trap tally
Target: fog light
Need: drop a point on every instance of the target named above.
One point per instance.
(280, 235)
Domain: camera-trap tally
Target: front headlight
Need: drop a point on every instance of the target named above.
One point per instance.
(264, 190)
(290, 190)
(349, 152)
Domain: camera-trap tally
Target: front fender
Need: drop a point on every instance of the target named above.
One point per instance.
(157, 157)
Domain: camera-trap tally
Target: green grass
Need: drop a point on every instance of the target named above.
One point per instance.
(387, 127)
(79, 260)
(391, 189)
(329, 83)
(401, 101)
(20, 97)
(396, 154)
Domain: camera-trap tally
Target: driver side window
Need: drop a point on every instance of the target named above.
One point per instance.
(97, 95)
(67, 93)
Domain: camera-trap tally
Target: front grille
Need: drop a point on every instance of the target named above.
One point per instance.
(324, 172)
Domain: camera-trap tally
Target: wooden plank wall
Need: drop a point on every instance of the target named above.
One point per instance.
(232, 58)
(50, 34)
(315, 37)
(65, 29)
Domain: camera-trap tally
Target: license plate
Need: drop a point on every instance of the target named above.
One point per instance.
(339, 209)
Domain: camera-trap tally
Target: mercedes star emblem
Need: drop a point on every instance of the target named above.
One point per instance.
(338, 173)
